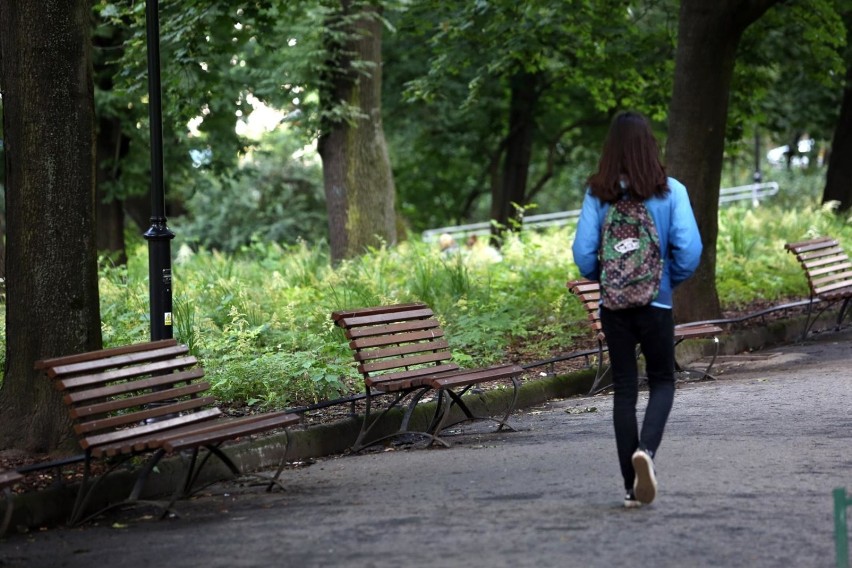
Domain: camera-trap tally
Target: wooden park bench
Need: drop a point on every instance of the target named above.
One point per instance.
(588, 292)
(829, 273)
(401, 351)
(7, 480)
(147, 399)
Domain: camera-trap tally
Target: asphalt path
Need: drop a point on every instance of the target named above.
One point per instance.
(746, 473)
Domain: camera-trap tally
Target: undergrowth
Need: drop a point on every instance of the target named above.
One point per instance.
(259, 318)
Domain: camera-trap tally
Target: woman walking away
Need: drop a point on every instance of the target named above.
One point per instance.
(637, 236)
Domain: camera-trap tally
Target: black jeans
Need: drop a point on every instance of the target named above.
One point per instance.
(652, 329)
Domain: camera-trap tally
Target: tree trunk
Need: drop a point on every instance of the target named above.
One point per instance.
(357, 173)
(512, 189)
(708, 34)
(839, 174)
(51, 261)
(110, 210)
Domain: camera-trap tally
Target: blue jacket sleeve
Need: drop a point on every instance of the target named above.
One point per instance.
(684, 239)
(588, 237)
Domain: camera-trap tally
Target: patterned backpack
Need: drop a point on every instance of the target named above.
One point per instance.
(631, 263)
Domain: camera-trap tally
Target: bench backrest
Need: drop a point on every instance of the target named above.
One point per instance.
(122, 399)
(395, 345)
(589, 294)
(826, 265)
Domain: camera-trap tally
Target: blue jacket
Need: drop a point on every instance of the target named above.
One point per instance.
(680, 243)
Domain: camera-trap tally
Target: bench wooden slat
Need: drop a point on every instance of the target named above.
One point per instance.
(465, 377)
(155, 382)
(230, 429)
(396, 316)
(805, 246)
(396, 339)
(150, 442)
(124, 373)
(386, 378)
(829, 269)
(119, 420)
(148, 429)
(401, 350)
(117, 361)
(686, 331)
(404, 362)
(822, 290)
(392, 329)
(822, 256)
(102, 353)
(340, 314)
(156, 396)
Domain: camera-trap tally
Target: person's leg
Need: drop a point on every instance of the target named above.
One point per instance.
(656, 337)
(621, 342)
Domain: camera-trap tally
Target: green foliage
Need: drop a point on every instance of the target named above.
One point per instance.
(258, 318)
(447, 104)
(751, 261)
(276, 196)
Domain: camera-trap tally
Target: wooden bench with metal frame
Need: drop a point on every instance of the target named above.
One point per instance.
(147, 399)
(7, 480)
(829, 273)
(588, 292)
(401, 351)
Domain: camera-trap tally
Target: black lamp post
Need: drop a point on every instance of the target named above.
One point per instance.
(158, 235)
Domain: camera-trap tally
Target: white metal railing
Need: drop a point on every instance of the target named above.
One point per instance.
(755, 192)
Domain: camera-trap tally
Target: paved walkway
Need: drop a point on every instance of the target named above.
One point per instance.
(746, 472)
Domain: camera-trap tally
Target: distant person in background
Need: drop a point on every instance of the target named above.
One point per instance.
(630, 169)
(447, 244)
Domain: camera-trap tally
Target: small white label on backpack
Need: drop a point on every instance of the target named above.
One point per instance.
(627, 245)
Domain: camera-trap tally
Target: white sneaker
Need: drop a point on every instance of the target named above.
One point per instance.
(630, 501)
(645, 484)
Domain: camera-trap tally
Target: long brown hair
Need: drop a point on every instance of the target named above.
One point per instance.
(630, 154)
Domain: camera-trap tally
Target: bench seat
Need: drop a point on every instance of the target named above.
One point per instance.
(401, 350)
(588, 292)
(147, 398)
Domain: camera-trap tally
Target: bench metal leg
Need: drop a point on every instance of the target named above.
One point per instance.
(275, 479)
(603, 377)
(457, 400)
(844, 309)
(87, 490)
(705, 373)
(370, 419)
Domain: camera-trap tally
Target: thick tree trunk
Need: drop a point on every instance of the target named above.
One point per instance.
(512, 188)
(51, 262)
(838, 179)
(708, 34)
(357, 173)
